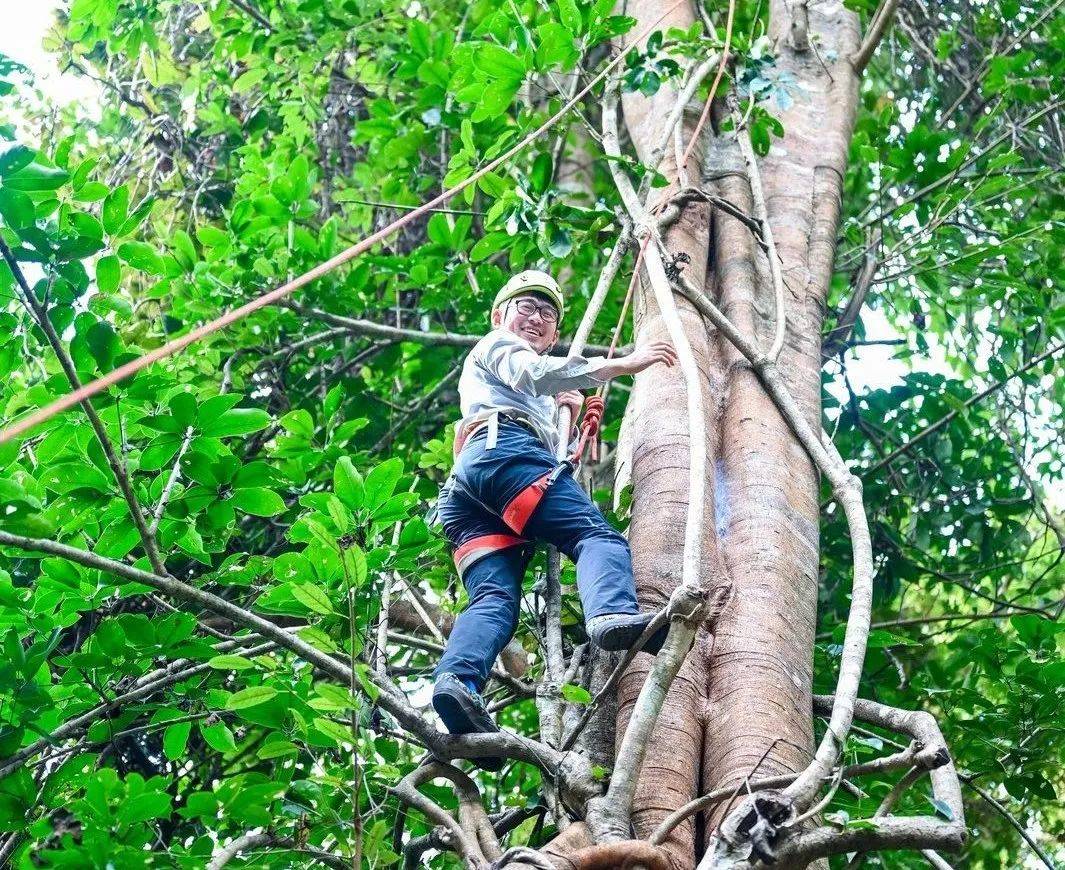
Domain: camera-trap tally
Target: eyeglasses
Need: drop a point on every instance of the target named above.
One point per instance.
(528, 308)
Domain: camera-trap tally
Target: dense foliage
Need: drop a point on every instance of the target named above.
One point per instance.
(285, 463)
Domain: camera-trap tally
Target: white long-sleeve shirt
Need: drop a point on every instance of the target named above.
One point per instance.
(504, 374)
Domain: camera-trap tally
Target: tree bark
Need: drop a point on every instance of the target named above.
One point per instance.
(743, 699)
(654, 455)
(761, 671)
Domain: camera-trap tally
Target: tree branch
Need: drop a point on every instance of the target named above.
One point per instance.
(1017, 826)
(877, 27)
(946, 418)
(761, 214)
(390, 699)
(118, 468)
(836, 338)
(250, 10)
(463, 842)
(359, 326)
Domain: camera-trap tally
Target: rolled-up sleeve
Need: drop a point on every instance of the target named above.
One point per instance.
(516, 364)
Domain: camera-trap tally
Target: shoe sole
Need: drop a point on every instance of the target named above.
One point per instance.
(621, 637)
(454, 710)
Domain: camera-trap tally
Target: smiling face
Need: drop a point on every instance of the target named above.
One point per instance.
(540, 333)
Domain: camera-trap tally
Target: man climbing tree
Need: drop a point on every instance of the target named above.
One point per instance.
(243, 290)
(507, 490)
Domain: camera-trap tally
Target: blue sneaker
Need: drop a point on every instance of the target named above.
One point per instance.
(463, 712)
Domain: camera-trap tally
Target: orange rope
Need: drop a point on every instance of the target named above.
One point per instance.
(230, 317)
(595, 405)
(713, 87)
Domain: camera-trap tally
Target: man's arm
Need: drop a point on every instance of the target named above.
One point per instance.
(521, 368)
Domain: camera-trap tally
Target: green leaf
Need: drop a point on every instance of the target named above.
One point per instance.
(159, 452)
(381, 481)
(211, 237)
(276, 749)
(348, 484)
(313, 598)
(258, 501)
(247, 81)
(91, 192)
(488, 245)
(218, 736)
(141, 256)
(35, 177)
(116, 209)
(542, 172)
(238, 421)
(144, 807)
(942, 809)
(576, 694)
(560, 244)
(555, 46)
(334, 730)
(499, 63)
(355, 560)
(16, 208)
(570, 16)
(184, 250)
(175, 739)
(108, 274)
(318, 639)
(231, 663)
(15, 158)
(438, 230)
(251, 697)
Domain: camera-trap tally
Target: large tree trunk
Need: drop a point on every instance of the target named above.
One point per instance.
(744, 696)
(654, 457)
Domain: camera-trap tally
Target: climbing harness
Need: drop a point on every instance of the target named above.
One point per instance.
(517, 513)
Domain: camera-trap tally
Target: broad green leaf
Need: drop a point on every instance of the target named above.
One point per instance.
(211, 237)
(313, 597)
(231, 662)
(175, 739)
(35, 177)
(570, 16)
(251, 697)
(497, 62)
(248, 80)
(108, 274)
(576, 694)
(218, 736)
(141, 256)
(116, 209)
(277, 748)
(144, 807)
(15, 158)
(348, 484)
(340, 734)
(259, 501)
(381, 481)
(238, 421)
(16, 208)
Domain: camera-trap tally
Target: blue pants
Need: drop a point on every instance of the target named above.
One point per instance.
(487, 482)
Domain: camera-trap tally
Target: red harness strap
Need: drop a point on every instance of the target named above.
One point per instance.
(476, 548)
(521, 507)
